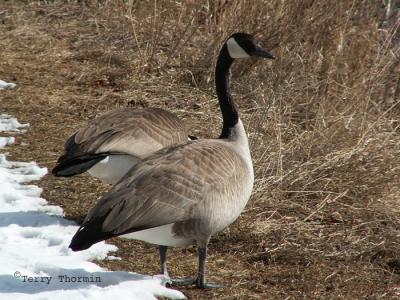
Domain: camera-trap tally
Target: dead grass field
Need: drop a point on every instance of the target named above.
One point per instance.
(323, 120)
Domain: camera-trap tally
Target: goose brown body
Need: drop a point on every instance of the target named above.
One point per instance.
(200, 188)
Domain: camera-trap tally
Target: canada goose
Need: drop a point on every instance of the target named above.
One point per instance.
(115, 141)
(185, 193)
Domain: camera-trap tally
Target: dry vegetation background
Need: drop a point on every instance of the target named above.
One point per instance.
(323, 121)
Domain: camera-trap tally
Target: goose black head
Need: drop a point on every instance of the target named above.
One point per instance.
(243, 45)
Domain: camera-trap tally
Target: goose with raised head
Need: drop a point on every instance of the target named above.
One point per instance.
(115, 141)
(185, 193)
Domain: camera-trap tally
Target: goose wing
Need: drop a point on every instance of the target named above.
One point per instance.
(164, 189)
(127, 131)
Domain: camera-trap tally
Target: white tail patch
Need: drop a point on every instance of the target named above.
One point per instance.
(162, 235)
(113, 167)
(234, 49)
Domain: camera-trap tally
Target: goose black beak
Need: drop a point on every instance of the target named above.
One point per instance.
(260, 52)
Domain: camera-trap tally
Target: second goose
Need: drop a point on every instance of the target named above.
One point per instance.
(183, 194)
(115, 141)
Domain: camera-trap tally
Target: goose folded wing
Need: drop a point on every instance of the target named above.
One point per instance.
(151, 199)
(162, 190)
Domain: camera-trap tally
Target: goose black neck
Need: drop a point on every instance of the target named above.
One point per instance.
(229, 111)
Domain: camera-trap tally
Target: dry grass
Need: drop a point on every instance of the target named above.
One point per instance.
(324, 218)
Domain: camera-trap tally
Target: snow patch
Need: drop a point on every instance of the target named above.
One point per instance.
(5, 141)
(8, 123)
(6, 85)
(35, 261)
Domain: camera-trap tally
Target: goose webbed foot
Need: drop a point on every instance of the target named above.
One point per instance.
(183, 281)
(207, 285)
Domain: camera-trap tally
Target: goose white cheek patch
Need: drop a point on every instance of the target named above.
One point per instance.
(235, 51)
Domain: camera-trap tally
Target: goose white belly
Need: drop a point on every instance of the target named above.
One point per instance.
(113, 167)
(162, 235)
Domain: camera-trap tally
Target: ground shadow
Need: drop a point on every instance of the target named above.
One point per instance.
(32, 219)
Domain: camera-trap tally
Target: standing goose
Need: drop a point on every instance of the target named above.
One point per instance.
(185, 193)
(115, 141)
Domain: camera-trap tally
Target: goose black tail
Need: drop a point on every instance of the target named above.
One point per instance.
(88, 235)
(77, 165)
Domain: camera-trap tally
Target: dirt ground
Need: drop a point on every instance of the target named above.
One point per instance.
(296, 239)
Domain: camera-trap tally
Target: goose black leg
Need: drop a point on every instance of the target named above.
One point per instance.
(163, 259)
(201, 277)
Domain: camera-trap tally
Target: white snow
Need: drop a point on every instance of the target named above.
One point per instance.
(6, 85)
(8, 123)
(35, 261)
(4, 141)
